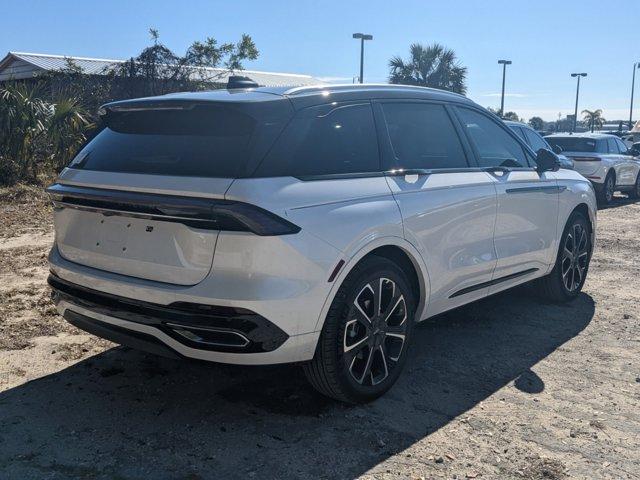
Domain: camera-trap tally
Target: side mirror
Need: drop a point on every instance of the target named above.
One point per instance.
(635, 151)
(547, 161)
(557, 149)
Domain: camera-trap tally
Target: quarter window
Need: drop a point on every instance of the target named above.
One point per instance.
(325, 140)
(535, 141)
(422, 136)
(494, 145)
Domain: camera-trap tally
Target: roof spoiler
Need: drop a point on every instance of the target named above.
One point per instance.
(238, 81)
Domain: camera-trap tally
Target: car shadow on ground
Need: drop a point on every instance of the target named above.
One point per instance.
(618, 201)
(123, 414)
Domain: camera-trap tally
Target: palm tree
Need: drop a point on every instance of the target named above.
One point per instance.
(66, 127)
(593, 118)
(429, 66)
(35, 133)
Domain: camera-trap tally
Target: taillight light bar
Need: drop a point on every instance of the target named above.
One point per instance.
(204, 213)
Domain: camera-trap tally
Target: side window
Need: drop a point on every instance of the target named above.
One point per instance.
(602, 146)
(423, 136)
(494, 145)
(325, 140)
(519, 131)
(613, 148)
(535, 141)
(621, 146)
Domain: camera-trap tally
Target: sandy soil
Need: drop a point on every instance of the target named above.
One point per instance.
(505, 388)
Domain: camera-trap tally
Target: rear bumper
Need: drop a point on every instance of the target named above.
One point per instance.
(172, 321)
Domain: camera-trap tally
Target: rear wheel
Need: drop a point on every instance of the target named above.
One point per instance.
(605, 193)
(635, 193)
(565, 281)
(363, 345)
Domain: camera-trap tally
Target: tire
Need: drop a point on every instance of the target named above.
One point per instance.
(635, 193)
(565, 281)
(605, 193)
(359, 356)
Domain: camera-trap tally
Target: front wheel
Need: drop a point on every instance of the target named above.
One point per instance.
(363, 345)
(565, 281)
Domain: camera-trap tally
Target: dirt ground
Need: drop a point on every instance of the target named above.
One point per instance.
(505, 388)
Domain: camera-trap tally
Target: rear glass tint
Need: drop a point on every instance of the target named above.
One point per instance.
(573, 144)
(325, 140)
(204, 141)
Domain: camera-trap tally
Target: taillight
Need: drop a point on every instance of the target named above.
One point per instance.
(586, 159)
(204, 213)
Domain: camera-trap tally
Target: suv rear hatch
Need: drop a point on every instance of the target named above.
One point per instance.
(145, 198)
(582, 150)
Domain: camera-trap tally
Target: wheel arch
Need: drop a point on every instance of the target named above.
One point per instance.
(396, 249)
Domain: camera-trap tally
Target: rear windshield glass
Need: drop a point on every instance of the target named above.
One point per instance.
(203, 141)
(573, 144)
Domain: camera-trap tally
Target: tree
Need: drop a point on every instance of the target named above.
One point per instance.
(593, 119)
(158, 70)
(35, 133)
(429, 66)
(536, 123)
(513, 116)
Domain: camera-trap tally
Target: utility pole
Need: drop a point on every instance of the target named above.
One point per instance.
(362, 37)
(504, 64)
(633, 84)
(575, 115)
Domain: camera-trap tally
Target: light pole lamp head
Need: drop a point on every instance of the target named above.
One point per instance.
(363, 36)
(505, 62)
(578, 74)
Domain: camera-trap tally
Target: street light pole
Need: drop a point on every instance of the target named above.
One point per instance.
(504, 64)
(575, 115)
(362, 37)
(633, 82)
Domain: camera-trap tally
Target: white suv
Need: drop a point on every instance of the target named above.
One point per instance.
(312, 225)
(603, 159)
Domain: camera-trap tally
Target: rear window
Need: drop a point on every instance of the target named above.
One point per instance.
(574, 144)
(325, 140)
(204, 141)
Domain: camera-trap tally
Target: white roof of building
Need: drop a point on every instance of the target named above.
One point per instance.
(20, 65)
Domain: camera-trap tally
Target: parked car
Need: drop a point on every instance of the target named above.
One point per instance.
(603, 159)
(312, 225)
(534, 140)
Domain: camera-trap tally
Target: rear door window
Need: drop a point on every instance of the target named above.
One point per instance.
(422, 136)
(325, 140)
(494, 146)
(621, 146)
(613, 148)
(203, 141)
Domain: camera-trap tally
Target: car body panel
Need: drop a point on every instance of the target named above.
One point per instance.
(450, 219)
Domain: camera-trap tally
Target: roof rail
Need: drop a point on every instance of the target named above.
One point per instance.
(357, 86)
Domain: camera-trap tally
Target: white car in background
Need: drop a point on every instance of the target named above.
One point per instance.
(604, 159)
(312, 225)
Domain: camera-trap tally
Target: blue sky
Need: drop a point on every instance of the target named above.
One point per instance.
(546, 40)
